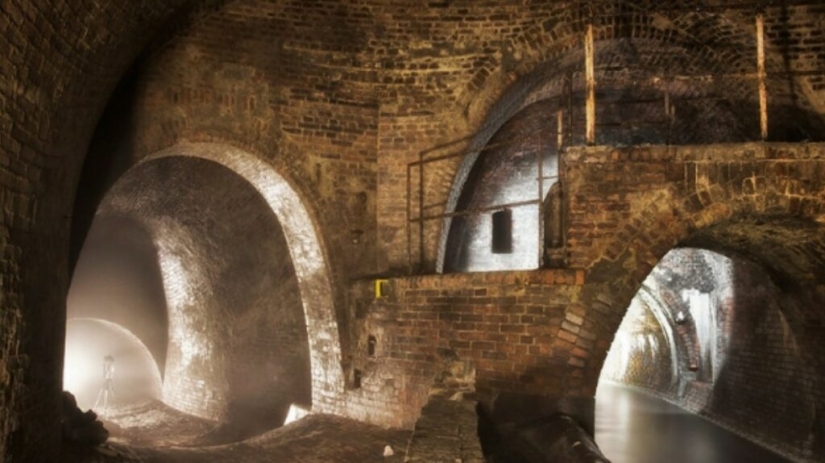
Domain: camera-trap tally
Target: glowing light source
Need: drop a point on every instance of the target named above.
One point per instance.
(88, 340)
(295, 413)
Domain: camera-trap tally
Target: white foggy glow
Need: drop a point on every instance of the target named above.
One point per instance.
(88, 340)
(296, 413)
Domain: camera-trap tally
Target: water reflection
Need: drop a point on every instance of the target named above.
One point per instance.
(632, 427)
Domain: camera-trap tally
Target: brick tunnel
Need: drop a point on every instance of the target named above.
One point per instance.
(390, 230)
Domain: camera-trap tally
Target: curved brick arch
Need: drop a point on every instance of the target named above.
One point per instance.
(545, 54)
(729, 44)
(677, 217)
(307, 256)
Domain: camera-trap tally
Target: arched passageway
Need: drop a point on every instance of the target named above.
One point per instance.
(710, 334)
(305, 251)
(214, 285)
(341, 97)
(88, 342)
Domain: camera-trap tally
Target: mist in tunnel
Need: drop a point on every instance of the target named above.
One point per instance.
(188, 257)
(118, 279)
(135, 376)
(707, 333)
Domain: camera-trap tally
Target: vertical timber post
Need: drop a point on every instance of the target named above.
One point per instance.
(409, 220)
(763, 89)
(668, 113)
(591, 85)
(540, 202)
(559, 129)
(568, 83)
(421, 212)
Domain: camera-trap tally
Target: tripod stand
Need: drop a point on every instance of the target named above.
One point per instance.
(107, 392)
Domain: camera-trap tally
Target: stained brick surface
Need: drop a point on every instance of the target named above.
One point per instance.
(756, 382)
(339, 97)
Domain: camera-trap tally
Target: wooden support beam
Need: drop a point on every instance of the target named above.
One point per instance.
(559, 129)
(763, 88)
(591, 85)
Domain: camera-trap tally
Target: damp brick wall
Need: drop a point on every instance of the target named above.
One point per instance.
(61, 61)
(391, 87)
(519, 331)
(760, 386)
(643, 359)
(765, 388)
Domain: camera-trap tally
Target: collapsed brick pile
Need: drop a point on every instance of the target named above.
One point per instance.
(80, 428)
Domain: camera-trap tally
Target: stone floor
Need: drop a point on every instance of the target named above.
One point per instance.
(314, 439)
(154, 424)
(152, 433)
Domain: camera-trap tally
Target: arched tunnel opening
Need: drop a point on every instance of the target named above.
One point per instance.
(267, 238)
(716, 359)
(715, 351)
(188, 259)
(89, 343)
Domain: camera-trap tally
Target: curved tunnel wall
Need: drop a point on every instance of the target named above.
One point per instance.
(238, 348)
(305, 253)
(753, 378)
(506, 173)
(117, 278)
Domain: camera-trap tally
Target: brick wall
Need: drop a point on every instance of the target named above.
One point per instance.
(348, 93)
(238, 339)
(520, 332)
(506, 173)
(660, 197)
(61, 61)
(765, 388)
(757, 384)
(641, 353)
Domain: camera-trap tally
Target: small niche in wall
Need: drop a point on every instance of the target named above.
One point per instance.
(371, 342)
(356, 379)
(503, 232)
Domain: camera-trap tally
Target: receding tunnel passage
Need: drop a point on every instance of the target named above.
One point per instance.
(89, 342)
(709, 334)
(118, 279)
(192, 259)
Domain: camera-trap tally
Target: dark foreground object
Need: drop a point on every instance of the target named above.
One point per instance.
(553, 439)
(81, 429)
(632, 427)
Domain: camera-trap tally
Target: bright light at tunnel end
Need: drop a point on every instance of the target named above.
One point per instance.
(88, 341)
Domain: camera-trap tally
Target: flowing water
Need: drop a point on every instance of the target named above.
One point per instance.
(632, 427)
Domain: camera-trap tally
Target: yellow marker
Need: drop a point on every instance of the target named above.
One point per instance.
(379, 288)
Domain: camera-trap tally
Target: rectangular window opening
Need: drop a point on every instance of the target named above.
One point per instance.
(356, 379)
(503, 232)
(371, 342)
